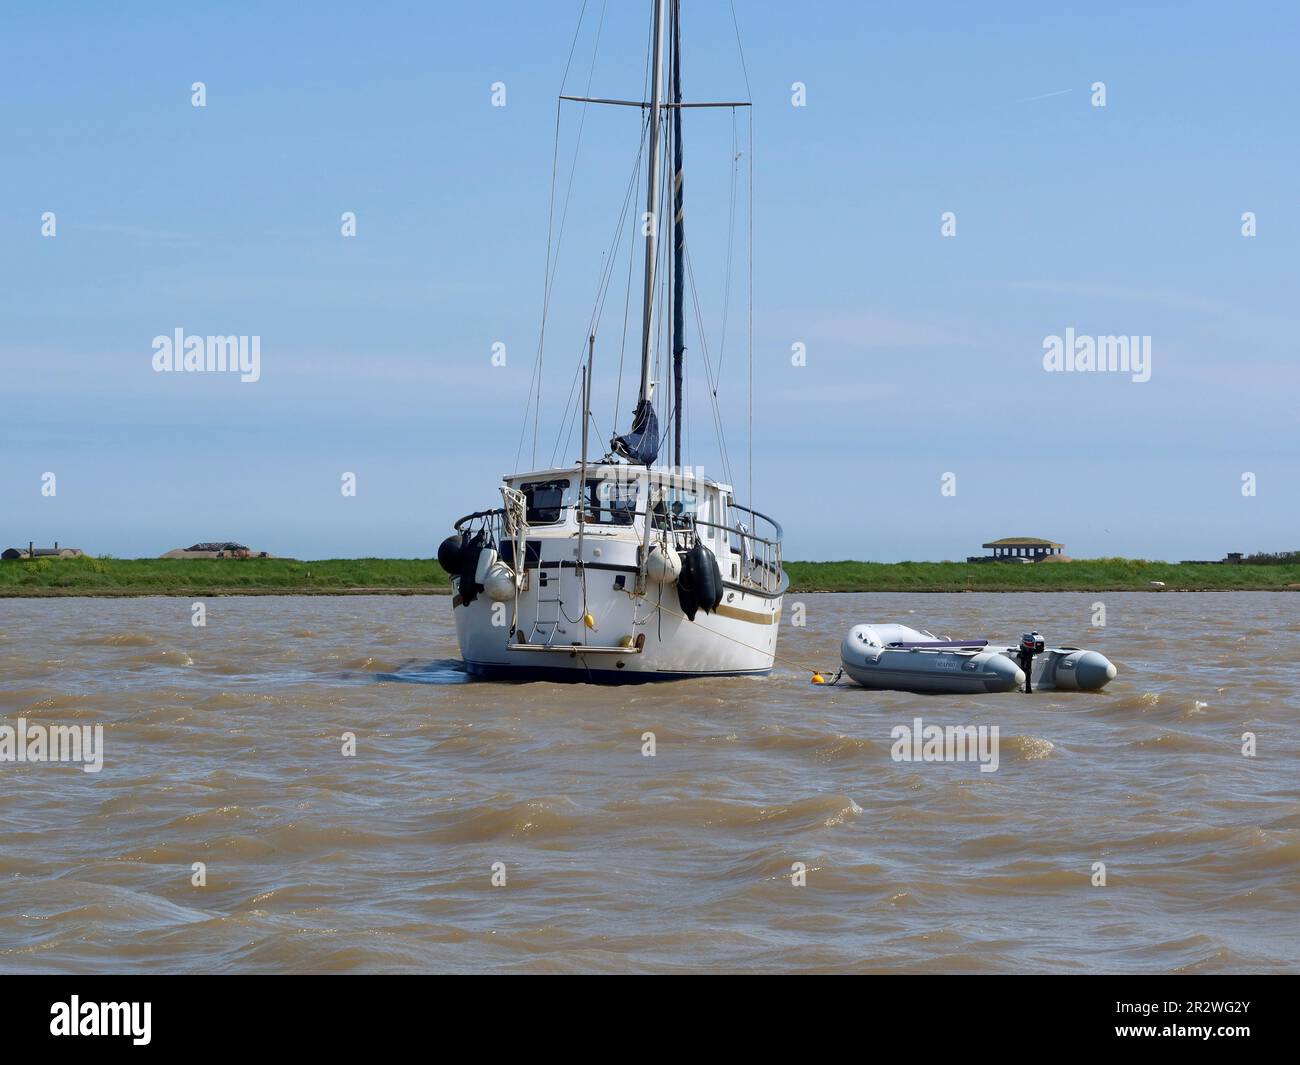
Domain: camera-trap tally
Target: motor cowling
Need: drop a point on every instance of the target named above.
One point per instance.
(1031, 644)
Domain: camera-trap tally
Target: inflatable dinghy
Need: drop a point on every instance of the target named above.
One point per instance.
(899, 658)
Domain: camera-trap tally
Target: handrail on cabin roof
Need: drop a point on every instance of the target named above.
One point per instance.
(747, 533)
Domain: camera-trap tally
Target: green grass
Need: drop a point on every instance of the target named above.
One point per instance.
(413, 576)
(226, 576)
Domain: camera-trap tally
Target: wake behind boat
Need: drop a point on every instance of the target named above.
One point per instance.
(614, 568)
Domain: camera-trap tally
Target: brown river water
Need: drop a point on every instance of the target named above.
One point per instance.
(223, 745)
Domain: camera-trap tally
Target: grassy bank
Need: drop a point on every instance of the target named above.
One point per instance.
(417, 576)
(225, 576)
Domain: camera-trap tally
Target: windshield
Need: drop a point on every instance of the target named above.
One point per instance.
(545, 500)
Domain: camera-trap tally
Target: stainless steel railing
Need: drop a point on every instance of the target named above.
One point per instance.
(761, 565)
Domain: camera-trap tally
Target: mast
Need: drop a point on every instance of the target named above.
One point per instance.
(679, 239)
(582, 474)
(640, 445)
(652, 202)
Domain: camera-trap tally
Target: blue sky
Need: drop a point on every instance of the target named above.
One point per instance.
(924, 353)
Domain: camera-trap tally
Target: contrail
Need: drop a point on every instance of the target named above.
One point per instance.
(1059, 92)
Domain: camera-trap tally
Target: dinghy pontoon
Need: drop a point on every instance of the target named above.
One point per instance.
(899, 658)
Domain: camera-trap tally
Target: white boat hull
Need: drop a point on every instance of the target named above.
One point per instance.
(552, 642)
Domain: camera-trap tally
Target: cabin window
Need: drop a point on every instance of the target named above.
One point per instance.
(532, 552)
(678, 508)
(606, 501)
(545, 500)
(683, 504)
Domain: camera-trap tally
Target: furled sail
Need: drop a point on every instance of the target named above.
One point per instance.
(640, 444)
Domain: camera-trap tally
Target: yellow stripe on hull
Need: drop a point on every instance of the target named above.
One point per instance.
(752, 616)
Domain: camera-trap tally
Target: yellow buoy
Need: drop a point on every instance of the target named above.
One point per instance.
(589, 621)
(817, 678)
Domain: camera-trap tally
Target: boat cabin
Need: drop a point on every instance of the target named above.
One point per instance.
(611, 500)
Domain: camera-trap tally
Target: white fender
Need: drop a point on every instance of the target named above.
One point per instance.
(662, 566)
(499, 582)
(487, 558)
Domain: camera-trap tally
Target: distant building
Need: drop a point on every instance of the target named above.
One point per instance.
(216, 549)
(1022, 549)
(32, 551)
(1233, 558)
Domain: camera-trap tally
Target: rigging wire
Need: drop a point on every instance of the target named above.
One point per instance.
(660, 340)
(749, 95)
(750, 499)
(602, 292)
(534, 381)
(718, 427)
(631, 248)
(534, 378)
(553, 263)
(731, 245)
(627, 293)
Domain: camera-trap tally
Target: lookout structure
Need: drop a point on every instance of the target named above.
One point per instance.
(1028, 547)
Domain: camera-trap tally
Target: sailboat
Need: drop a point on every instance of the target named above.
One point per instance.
(616, 568)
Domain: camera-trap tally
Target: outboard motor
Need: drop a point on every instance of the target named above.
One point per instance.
(1031, 644)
